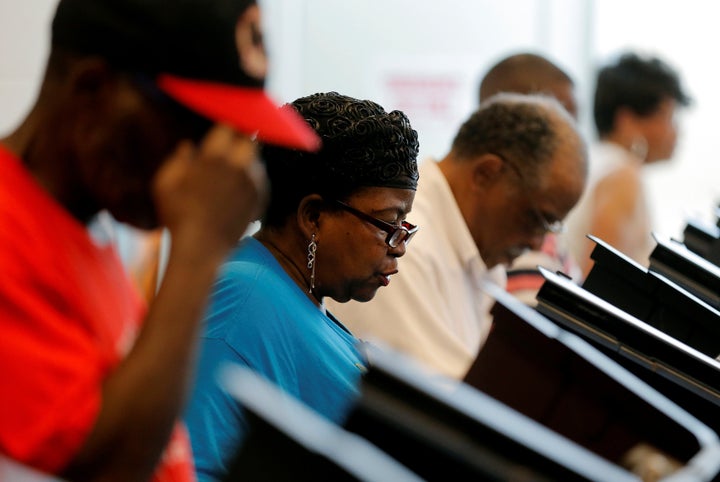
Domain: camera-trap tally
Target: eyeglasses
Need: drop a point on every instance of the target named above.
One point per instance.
(395, 234)
(555, 227)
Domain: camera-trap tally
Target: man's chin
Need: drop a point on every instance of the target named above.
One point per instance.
(146, 221)
(146, 225)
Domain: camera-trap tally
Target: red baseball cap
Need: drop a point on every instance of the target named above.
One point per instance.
(246, 109)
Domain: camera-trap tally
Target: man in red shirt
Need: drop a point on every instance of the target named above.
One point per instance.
(140, 114)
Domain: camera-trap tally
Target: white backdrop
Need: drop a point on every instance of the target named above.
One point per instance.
(427, 57)
(685, 34)
(423, 57)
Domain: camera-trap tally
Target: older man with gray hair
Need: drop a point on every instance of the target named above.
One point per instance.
(515, 169)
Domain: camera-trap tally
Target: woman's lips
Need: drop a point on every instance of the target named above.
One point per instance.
(385, 278)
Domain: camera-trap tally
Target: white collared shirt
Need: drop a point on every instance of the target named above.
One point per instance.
(434, 308)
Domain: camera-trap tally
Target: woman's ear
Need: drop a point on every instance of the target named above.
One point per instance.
(309, 214)
(486, 170)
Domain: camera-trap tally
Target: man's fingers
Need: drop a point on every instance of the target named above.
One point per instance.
(223, 144)
(175, 165)
(215, 144)
(243, 152)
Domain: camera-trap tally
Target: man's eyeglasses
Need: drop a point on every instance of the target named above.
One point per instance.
(395, 234)
(555, 227)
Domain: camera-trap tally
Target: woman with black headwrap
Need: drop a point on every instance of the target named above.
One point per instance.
(335, 227)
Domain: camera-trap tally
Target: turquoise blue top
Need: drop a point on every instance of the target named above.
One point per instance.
(259, 317)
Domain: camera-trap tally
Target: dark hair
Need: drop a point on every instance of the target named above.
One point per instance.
(362, 146)
(524, 73)
(639, 84)
(519, 128)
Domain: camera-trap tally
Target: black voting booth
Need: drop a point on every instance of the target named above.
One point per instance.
(445, 430)
(676, 262)
(287, 441)
(703, 239)
(683, 374)
(564, 383)
(653, 298)
(582, 412)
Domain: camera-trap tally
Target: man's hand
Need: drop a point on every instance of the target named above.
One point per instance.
(207, 196)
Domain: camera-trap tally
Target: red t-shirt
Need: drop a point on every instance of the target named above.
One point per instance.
(68, 315)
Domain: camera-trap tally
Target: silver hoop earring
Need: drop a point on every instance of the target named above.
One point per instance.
(312, 248)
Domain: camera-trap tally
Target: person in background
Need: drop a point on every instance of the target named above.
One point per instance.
(635, 106)
(516, 167)
(93, 382)
(335, 228)
(529, 73)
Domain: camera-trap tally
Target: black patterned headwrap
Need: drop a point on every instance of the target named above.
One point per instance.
(362, 146)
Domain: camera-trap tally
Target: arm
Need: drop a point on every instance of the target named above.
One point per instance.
(206, 200)
(617, 214)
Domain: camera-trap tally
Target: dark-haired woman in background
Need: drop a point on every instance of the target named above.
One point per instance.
(636, 100)
(335, 227)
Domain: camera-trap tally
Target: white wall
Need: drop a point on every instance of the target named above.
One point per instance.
(24, 39)
(427, 57)
(363, 47)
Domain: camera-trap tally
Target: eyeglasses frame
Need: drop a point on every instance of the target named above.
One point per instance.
(389, 228)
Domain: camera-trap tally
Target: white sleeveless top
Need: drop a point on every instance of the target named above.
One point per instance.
(607, 158)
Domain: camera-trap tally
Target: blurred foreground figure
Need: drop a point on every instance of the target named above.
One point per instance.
(92, 382)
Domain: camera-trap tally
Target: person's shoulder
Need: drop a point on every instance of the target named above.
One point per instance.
(249, 263)
(625, 179)
(246, 282)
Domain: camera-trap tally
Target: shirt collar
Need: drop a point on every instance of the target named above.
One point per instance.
(449, 220)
